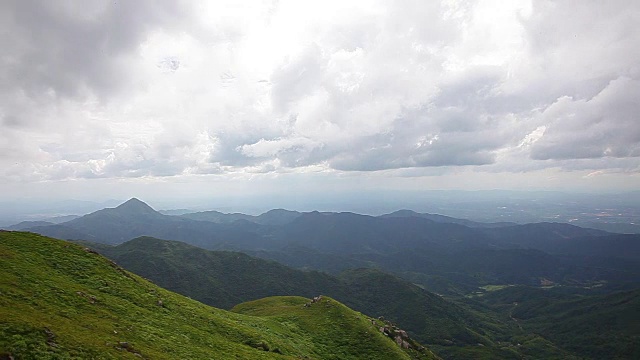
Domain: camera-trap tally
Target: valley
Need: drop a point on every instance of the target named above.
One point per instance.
(462, 289)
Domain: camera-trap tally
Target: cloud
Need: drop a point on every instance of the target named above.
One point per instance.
(66, 49)
(157, 89)
(604, 126)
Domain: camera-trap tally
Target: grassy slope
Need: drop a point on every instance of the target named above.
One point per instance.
(223, 279)
(59, 301)
(327, 322)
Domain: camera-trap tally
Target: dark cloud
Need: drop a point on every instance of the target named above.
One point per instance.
(11, 121)
(72, 49)
(416, 141)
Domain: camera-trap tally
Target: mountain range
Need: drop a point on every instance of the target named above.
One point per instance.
(443, 254)
(444, 280)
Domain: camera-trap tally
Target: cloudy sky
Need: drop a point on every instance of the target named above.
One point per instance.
(110, 99)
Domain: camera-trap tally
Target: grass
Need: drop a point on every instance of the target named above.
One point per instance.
(328, 322)
(59, 301)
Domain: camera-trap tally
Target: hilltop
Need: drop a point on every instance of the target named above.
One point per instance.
(328, 321)
(61, 300)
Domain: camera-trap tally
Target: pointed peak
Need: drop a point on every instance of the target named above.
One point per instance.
(133, 201)
(135, 205)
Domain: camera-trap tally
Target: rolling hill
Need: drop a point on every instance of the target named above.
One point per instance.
(223, 279)
(60, 300)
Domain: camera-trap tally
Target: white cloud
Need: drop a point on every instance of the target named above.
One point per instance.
(603, 126)
(157, 89)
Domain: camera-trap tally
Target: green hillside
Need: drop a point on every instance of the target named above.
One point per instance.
(217, 278)
(59, 300)
(325, 323)
(220, 278)
(595, 327)
(223, 279)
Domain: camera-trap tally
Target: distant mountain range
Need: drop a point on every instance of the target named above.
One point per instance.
(444, 254)
(271, 217)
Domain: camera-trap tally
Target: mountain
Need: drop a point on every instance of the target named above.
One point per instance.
(324, 232)
(271, 217)
(175, 212)
(218, 278)
(446, 219)
(460, 262)
(624, 246)
(23, 225)
(277, 217)
(60, 300)
(445, 257)
(62, 231)
(346, 233)
(542, 236)
(224, 279)
(135, 218)
(216, 216)
(136, 207)
(61, 219)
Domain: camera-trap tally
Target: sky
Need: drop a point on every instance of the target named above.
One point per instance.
(171, 99)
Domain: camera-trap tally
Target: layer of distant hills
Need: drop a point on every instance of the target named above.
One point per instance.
(443, 254)
(542, 290)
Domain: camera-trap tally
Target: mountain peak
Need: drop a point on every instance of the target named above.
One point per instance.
(405, 212)
(135, 205)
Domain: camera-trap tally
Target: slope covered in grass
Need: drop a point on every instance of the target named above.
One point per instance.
(58, 300)
(324, 322)
(223, 279)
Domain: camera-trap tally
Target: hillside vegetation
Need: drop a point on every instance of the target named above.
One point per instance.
(596, 327)
(221, 278)
(325, 323)
(470, 265)
(60, 300)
